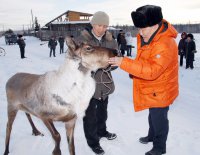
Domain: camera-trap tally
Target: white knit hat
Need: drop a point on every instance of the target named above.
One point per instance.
(100, 18)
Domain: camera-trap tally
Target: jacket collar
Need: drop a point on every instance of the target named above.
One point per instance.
(166, 29)
(152, 36)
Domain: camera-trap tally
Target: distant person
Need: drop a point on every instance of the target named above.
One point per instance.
(123, 44)
(181, 47)
(119, 37)
(155, 73)
(129, 41)
(22, 44)
(61, 41)
(52, 45)
(190, 49)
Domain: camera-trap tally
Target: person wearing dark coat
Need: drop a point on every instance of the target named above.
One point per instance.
(22, 44)
(52, 45)
(123, 44)
(190, 49)
(94, 122)
(61, 41)
(119, 37)
(181, 47)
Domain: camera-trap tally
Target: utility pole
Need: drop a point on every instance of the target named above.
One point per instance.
(32, 20)
(30, 25)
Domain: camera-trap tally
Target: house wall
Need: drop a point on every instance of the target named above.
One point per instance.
(62, 29)
(73, 16)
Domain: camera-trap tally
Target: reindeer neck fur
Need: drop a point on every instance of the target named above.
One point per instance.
(72, 84)
(76, 62)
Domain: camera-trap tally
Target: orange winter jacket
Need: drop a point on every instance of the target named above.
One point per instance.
(155, 70)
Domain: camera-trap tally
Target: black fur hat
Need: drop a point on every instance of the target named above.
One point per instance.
(146, 16)
(190, 35)
(20, 35)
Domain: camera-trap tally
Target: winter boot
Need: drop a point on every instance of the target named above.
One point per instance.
(145, 140)
(153, 152)
(98, 150)
(109, 136)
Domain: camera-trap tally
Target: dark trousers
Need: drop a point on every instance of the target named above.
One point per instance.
(189, 62)
(61, 49)
(54, 52)
(122, 52)
(129, 50)
(181, 59)
(94, 122)
(158, 127)
(22, 51)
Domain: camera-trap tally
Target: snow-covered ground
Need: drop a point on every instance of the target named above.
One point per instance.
(184, 117)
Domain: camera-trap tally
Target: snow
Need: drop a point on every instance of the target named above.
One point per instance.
(184, 120)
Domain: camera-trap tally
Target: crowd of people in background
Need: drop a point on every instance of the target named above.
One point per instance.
(186, 46)
(187, 49)
(125, 43)
(53, 43)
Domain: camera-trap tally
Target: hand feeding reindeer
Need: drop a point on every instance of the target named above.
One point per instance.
(61, 95)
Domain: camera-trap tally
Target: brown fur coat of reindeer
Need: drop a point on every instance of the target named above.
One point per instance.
(61, 95)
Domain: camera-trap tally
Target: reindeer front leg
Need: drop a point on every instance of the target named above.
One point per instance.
(56, 136)
(70, 125)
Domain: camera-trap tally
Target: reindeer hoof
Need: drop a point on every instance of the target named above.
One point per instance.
(37, 133)
(56, 152)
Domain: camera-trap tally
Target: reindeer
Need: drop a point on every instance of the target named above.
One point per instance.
(61, 95)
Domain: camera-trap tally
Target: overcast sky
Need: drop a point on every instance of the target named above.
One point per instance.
(16, 13)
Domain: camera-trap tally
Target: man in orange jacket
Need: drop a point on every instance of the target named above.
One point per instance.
(154, 71)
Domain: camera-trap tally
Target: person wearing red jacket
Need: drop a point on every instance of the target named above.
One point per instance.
(154, 71)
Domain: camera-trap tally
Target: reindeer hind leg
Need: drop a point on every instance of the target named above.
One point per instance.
(11, 117)
(35, 131)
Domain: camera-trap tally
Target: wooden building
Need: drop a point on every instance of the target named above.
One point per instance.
(67, 24)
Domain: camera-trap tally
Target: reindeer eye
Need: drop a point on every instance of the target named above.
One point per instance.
(89, 48)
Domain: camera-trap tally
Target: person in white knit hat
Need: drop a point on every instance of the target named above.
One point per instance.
(96, 115)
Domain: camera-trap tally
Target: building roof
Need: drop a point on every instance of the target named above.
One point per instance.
(71, 17)
(70, 22)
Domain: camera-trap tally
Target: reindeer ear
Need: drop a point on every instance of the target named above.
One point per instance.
(71, 43)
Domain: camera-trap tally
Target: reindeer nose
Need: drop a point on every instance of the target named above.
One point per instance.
(115, 52)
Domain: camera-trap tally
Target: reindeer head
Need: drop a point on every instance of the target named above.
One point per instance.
(91, 57)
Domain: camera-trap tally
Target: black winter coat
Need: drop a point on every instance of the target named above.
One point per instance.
(123, 45)
(181, 46)
(21, 43)
(61, 41)
(52, 43)
(190, 48)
